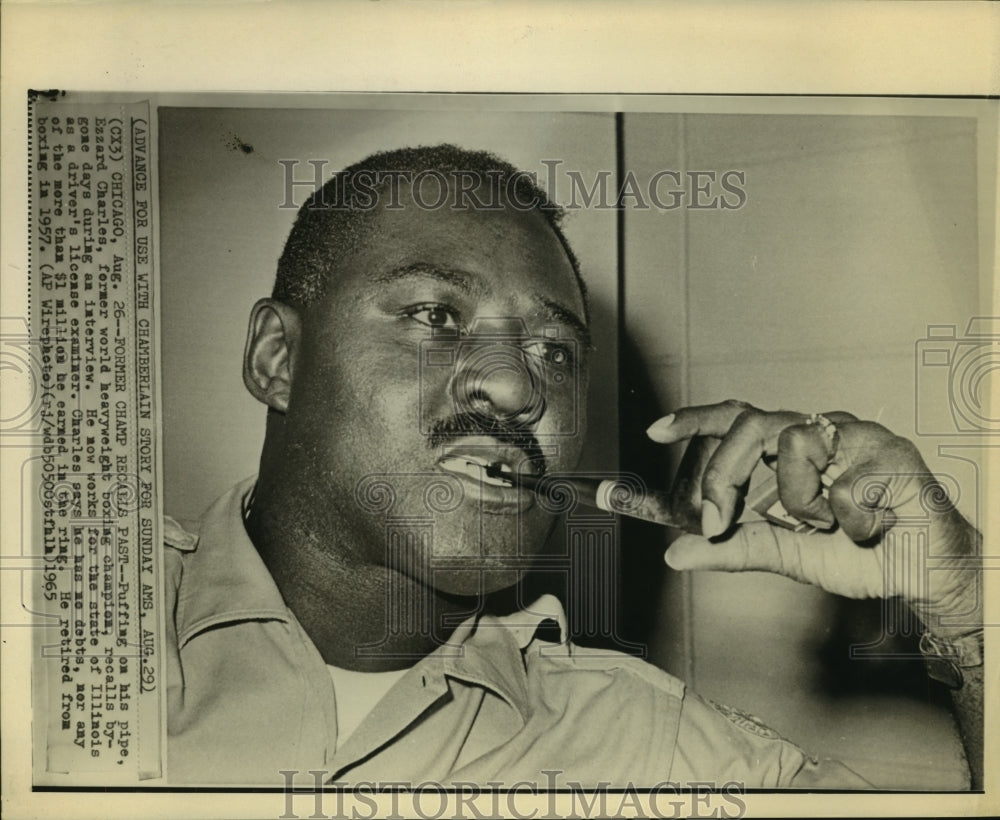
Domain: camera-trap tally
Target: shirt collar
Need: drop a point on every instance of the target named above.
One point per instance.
(226, 581)
(491, 650)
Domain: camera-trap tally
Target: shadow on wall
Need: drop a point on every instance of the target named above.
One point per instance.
(644, 575)
(884, 642)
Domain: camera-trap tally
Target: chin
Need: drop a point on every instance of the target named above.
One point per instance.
(478, 582)
(468, 555)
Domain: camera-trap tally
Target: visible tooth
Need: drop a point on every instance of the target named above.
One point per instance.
(460, 465)
(474, 469)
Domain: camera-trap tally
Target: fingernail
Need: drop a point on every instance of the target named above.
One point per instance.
(658, 429)
(819, 523)
(711, 520)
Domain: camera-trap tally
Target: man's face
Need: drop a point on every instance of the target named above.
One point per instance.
(448, 338)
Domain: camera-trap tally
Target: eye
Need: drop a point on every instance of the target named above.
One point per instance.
(434, 315)
(552, 353)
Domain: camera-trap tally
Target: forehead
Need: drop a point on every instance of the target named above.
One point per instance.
(504, 253)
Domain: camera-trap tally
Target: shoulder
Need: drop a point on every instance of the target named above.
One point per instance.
(179, 539)
(180, 534)
(628, 672)
(716, 740)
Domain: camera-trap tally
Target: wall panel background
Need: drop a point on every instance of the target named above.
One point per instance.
(857, 233)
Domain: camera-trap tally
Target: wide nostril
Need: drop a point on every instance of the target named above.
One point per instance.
(500, 383)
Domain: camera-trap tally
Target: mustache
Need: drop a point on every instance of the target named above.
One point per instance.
(447, 430)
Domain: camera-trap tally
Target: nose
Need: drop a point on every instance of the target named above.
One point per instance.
(497, 381)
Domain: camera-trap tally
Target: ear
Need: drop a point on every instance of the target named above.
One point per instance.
(268, 361)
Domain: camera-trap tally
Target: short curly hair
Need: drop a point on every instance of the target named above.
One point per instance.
(335, 220)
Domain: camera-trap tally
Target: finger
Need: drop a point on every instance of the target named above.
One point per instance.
(868, 441)
(878, 483)
(749, 548)
(752, 435)
(710, 420)
(861, 499)
(695, 552)
(837, 417)
(685, 489)
(830, 561)
(701, 420)
(803, 454)
(840, 417)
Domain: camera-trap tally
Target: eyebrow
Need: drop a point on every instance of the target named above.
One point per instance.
(561, 313)
(457, 278)
(467, 282)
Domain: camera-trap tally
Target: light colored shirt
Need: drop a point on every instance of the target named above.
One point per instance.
(357, 694)
(249, 697)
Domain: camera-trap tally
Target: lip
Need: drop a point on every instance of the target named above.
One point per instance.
(491, 498)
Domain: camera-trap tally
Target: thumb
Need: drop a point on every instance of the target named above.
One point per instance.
(746, 549)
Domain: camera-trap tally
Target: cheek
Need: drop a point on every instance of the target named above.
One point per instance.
(361, 402)
(564, 425)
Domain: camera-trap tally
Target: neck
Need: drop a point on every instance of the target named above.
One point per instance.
(360, 614)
